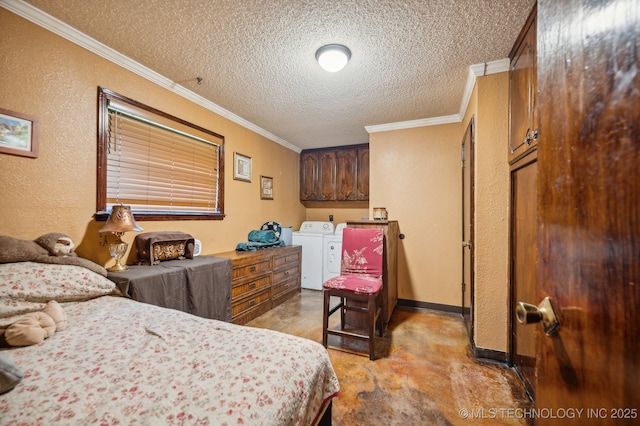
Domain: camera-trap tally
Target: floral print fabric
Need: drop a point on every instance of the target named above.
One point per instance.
(126, 362)
(28, 286)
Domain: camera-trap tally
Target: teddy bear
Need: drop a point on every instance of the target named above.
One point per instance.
(34, 327)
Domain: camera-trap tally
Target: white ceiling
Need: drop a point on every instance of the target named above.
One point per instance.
(410, 58)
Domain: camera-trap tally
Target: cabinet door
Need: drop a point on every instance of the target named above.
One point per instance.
(523, 86)
(362, 190)
(309, 176)
(327, 176)
(346, 174)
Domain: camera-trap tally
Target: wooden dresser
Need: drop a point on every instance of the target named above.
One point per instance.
(263, 279)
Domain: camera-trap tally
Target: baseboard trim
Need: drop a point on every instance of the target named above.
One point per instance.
(431, 306)
(489, 355)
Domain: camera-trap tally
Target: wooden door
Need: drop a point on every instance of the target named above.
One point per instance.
(308, 176)
(326, 176)
(523, 127)
(589, 209)
(346, 174)
(363, 174)
(467, 226)
(522, 271)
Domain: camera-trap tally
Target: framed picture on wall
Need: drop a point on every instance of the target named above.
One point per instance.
(241, 167)
(266, 188)
(18, 134)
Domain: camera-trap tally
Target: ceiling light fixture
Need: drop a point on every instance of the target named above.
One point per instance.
(333, 57)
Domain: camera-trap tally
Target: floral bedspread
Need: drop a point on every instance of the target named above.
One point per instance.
(128, 363)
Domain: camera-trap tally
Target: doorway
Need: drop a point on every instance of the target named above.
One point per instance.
(467, 226)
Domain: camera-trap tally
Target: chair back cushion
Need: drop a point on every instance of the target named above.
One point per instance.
(362, 252)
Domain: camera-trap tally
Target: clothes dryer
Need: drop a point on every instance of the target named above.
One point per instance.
(332, 253)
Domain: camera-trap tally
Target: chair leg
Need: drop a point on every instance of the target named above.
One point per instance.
(343, 311)
(325, 317)
(372, 326)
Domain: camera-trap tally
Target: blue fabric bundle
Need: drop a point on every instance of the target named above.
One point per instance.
(263, 236)
(260, 239)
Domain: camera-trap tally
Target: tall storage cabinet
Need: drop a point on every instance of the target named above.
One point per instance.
(523, 166)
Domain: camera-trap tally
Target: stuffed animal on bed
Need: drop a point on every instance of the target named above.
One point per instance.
(54, 247)
(34, 327)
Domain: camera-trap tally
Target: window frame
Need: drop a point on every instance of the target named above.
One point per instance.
(104, 95)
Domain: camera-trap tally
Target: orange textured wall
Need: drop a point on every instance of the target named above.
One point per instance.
(415, 175)
(48, 77)
(492, 213)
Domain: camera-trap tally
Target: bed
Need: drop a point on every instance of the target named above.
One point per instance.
(120, 361)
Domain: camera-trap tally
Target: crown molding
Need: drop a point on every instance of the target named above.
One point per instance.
(58, 27)
(423, 122)
(475, 71)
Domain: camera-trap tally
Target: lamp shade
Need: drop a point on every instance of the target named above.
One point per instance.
(120, 220)
(333, 57)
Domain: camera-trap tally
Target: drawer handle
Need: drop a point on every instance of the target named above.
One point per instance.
(288, 258)
(252, 302)
(252, 268)
(252, 285)
(287, 272)
(286, 285)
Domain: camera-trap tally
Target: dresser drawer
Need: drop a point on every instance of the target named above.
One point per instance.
(260, 266)
(248, 285)
(290, 285)
(281, 261)
(285, 274)
(257, 303)
(284, 291)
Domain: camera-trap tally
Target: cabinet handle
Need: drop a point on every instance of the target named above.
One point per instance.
(252, 268)
(252, 302)
(252, 285)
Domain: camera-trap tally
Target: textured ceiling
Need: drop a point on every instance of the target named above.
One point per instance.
(410, 58)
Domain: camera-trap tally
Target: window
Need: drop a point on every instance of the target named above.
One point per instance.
(163, 167)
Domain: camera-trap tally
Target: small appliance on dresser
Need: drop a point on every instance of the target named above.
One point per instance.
(332, 253)
(311, 238)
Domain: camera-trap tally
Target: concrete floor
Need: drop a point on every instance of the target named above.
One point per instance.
(424, 374)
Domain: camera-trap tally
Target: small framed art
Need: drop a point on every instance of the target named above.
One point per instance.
(266, 188)
(18, 134)
(241, 167)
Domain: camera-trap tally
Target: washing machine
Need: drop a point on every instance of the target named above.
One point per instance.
(311, 237)
(332, 253)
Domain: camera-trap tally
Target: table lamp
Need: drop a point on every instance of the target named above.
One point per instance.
(120, 221)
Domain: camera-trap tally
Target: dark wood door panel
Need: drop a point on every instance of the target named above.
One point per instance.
(523, 266)
(308, 176)
(589, 208)
(346, 175)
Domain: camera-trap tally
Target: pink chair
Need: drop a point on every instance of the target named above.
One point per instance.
(360, 281)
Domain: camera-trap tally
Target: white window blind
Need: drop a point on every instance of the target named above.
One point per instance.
(158, 168)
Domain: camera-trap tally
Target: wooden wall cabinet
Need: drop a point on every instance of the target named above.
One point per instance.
(262, 280)
(523, 87)
(335, 174)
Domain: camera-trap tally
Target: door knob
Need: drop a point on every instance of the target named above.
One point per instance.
(544, 313)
